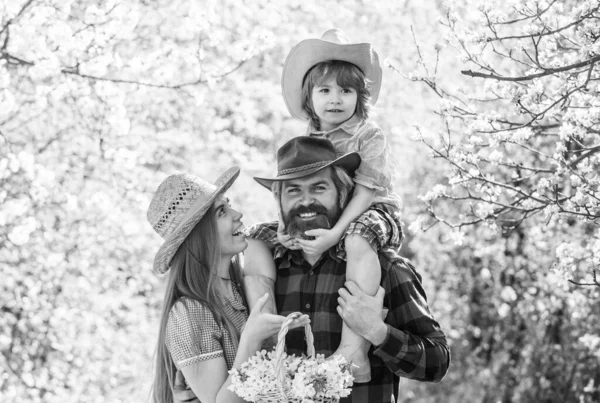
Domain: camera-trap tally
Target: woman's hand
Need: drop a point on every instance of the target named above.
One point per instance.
(261, 325)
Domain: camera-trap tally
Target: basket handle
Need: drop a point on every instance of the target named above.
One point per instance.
(310, 343)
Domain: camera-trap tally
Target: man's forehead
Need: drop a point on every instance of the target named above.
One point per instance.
(323, 175)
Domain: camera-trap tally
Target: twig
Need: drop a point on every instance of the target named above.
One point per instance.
(595, 283)
(546, 72)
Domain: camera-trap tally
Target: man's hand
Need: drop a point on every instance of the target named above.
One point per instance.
(324, 239)
(284, 239)
(363, 313)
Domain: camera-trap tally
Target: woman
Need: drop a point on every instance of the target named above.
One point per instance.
(204, 310)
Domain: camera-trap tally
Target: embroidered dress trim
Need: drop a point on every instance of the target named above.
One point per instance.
(201, 357)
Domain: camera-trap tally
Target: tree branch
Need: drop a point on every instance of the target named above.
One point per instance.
(546, 72)
(595, 281)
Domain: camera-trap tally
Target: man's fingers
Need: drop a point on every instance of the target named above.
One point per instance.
(344, 294)
(352, 287)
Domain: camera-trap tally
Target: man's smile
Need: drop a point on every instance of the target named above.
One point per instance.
(308, 215)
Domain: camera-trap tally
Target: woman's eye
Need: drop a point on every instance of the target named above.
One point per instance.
(221, 212)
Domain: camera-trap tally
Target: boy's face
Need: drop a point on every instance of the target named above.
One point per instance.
(333, 104)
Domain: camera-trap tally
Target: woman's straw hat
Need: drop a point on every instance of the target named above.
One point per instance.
(178, 204)
(333, 45)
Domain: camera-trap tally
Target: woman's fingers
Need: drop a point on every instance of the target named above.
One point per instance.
(260, 303)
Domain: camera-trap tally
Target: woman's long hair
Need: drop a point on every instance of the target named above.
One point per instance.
(192, 274)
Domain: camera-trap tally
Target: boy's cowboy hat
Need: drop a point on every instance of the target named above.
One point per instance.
(333, 45)
(179, 203)
(304, 155)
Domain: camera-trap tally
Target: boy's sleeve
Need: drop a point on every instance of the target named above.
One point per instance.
(266, 232)
(374, 171)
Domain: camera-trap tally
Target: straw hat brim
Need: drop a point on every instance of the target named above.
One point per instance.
(312, 51)
(193, 216)
(349, 162)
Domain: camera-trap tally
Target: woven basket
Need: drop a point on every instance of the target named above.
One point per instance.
(280, 395)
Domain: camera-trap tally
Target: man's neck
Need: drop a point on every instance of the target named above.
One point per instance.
(311, 259)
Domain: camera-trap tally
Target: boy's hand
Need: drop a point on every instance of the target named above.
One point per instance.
(324, 239)
(285, 239)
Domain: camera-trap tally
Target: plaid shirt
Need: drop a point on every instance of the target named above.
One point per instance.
(415, 346)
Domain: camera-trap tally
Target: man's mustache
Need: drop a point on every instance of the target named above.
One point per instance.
(312, 208)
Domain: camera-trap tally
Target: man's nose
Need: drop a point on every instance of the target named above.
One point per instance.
(306, 199)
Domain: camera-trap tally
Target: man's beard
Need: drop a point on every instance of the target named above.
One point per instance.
(295, 226)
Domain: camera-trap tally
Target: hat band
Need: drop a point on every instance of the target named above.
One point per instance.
(303, 168)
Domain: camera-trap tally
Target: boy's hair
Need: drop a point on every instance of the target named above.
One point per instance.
(347, 75)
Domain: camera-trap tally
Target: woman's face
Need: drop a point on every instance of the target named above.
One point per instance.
(229, 228)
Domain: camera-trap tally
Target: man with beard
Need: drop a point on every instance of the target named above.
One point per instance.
(312, 187)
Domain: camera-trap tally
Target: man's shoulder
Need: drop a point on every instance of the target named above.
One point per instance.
(400, 270)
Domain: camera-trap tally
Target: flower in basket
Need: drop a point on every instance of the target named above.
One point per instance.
(306, 379)
(318, 378)
(278, 377)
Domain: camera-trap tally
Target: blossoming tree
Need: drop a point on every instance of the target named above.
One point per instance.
(520, 140)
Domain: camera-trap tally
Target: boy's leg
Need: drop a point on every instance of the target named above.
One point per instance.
(364, 269)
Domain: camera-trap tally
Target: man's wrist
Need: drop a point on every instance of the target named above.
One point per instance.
(378, 335)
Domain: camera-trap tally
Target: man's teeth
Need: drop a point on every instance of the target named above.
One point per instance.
(307, 215)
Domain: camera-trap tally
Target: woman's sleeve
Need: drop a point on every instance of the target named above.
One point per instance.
(192, 333)
(374, 171)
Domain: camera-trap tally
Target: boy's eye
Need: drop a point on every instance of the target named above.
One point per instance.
(324, 90)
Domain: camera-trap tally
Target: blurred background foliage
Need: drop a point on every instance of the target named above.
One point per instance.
(100, 100)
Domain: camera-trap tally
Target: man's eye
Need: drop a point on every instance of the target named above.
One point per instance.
(292, 191)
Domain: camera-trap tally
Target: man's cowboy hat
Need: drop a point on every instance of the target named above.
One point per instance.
(304, 155)
(333, 45)
(179, 203)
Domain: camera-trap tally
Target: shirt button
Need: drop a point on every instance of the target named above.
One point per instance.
(311, 273)
(307, 306)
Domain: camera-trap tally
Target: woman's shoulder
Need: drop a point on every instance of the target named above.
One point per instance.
(190, 310)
